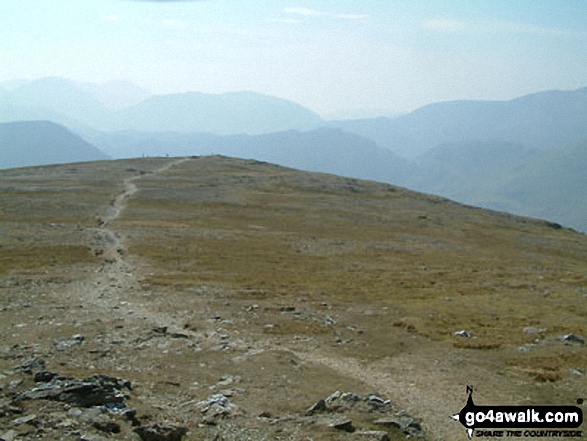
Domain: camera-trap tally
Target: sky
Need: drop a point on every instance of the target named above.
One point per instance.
(340, 58)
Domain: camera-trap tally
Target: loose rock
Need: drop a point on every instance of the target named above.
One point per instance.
(9, 436)
(216, 407)
(319, 406)
(66, 343)
(36, 363)
(374, 435)
(573, 338)
(156, 432)
(343, 424)
(98, 390)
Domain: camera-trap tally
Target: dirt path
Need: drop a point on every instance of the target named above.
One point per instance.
(422, 391)
(425, 390)
(116, 275)
(112, 283)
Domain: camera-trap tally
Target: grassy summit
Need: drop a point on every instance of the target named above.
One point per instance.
(298, 284)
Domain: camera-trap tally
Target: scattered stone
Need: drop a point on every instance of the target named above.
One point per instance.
(92, 437)
(319, 406)
(162, 330)
(28, 419)
(463, 334)
(531, 330)
(9, 436)
(36, 363)
(98, 390)
(156, 432)
(66, 343)
(227, 380)
(14, 384)
(44, 376)
(375, 435)
(264, 415)
(377, 402)
(341, 402)
(333, 397)
(404, 422)
(343, 424)
(6, 408)
(573, 338)
(216, 407)
(329, 321)
(96, 417)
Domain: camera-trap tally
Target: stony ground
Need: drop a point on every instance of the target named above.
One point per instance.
(210, 298)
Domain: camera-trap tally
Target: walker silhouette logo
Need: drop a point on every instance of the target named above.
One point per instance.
(520, 421)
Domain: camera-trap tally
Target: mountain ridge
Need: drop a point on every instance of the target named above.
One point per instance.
(544, 120)
(33, 143)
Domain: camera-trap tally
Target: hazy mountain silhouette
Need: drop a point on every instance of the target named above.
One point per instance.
(224, 114)
(325, 150)
(543, 120)
(503, 176)
(552, 187)
(116, 95)
(29, 143)
(12, 113)
(469, 171)
(493, 154)
(64, 97)
(116, 106)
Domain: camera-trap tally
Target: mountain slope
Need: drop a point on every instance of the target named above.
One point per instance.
(229, 296)
(545, 120)
(509, 177)
(224, 114)
(65, 97)
(31, 143)
(116, 95)
(552, 187)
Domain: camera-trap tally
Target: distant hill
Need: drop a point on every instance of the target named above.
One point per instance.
(51, 96)
(470, 171)
(544, 120)
(509, 177)
(118, 106)
(116, 95)
(31, 143)
(552, 187)
(326, 150)
(224, 114)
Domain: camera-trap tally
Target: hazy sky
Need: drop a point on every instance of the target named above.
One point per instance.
(329, 55)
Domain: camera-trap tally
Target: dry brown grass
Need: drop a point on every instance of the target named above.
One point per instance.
(278, 231)
(380, 279)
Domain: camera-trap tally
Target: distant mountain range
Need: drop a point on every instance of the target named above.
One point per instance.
(526, 156)
(326, 150)
(545, 120)
(84, 108)
(41, 142)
